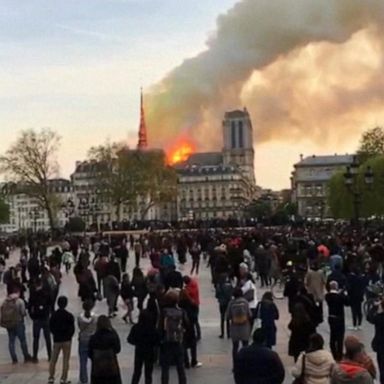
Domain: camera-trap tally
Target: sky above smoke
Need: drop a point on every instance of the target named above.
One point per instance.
(309, 72)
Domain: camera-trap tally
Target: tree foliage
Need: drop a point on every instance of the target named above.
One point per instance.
(371, 144)
(75, 224)
(30, 162)
(137, 179)
(371, 202)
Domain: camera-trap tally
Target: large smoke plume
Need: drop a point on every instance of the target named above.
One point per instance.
(303, 68)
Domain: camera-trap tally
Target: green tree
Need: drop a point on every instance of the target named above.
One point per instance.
(129, 177)
(158, 181)
(4, 211)
(371, 144)
(75, 224)
(260, 209)
(30, 162)
(116, 171)
(370, 202)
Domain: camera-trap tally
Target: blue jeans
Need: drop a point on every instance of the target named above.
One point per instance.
(17, 332)
(83, 356)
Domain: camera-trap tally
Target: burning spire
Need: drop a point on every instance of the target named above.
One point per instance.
(142, 143)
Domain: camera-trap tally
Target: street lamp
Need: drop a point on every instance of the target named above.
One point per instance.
(351, 182)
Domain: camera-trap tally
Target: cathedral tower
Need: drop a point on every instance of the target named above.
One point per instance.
(238, 142)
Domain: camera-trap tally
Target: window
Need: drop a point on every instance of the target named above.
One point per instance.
(233, 134)
(241, 135)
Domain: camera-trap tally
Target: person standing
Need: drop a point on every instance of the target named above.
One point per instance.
(258, 364)
(376, 317)
(39, 308)
(173, 325)
(62, 326)
(239, 315)
(87, 327)
(336, 319)
(12, 316)
(317, 363)
(192, 289)
(138, 249)
(195, 252)
(145, 337)
(111, 292)
(315, 283)
(356, 289)
(301, 327)
(268, 314)
(126, 294)
(104, 346)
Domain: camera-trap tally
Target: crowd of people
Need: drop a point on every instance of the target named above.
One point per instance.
(321, 265)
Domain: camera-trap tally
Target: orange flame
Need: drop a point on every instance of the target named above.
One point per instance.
(180, 152)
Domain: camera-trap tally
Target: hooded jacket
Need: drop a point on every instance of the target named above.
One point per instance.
(318, 367)
(349, 372)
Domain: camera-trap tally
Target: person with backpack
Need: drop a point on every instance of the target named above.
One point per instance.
(39, 308)
(224, 291)
(145, 337)
(173, 325)
(12, 314)
(239, 316)
(62, 326)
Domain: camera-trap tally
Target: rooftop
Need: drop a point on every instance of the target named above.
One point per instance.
(325, 160)
(200, 159)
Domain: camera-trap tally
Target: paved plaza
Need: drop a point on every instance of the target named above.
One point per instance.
(214, 353)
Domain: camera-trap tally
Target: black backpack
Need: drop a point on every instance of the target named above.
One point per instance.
(173, 325)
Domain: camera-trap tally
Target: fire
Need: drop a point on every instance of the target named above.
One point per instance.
(180, 152)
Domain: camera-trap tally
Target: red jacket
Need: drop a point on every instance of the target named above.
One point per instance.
(193, 291)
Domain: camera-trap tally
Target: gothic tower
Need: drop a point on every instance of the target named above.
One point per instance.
(142, 142)
(238, 142)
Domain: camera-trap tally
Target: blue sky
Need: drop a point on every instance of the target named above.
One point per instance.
(77, 65)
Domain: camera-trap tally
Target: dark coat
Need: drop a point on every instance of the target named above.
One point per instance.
(144, 337)
(268, 313)
(62, 326)
(104, 346)
(257, 364)
(190, 337)
(377, 319)
(299, 339)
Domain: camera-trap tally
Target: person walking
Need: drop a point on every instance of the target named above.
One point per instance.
(86, 322)
(268, 313)
(239, 315)
(301, 328)
(111, 292)
(257, 364)
(336, 301)
(62, 326)
(39, 308)
(173, 325)
(316, 364)
(12, 313)
(195, 252)
(103, 348)
(190, 334)
(126, 294)
(146, 338)
(224, 291)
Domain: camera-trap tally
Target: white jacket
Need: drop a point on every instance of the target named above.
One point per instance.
(318, 367)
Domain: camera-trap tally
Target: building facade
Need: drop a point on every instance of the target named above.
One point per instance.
(310, 183)
(219, 184)
(26, 214)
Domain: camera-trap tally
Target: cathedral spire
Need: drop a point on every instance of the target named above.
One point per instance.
(142, 143)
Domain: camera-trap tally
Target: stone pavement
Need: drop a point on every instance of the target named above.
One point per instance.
(214, 353)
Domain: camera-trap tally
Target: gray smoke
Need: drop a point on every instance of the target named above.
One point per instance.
(252, 35)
